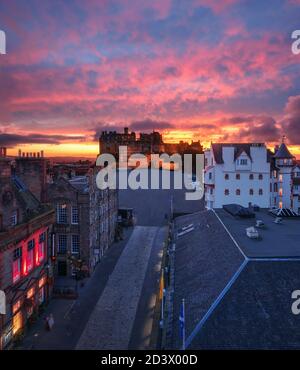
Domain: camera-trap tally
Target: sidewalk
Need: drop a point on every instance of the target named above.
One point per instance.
(71, 316)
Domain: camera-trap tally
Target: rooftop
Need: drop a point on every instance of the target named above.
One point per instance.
(278, 240)
(237, 291)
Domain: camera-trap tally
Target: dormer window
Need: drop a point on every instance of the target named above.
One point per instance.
(244, 162)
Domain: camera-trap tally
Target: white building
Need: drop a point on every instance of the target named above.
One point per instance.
(251, 173)
(237, 173)
(296, 188)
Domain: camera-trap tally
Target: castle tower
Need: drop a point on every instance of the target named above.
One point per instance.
(284, 161)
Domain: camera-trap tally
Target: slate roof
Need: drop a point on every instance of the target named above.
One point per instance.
(277, 240)
(239, 148)
(283, 152)
(205, 261)
(256, 311)
(25, 197)
(238, 296)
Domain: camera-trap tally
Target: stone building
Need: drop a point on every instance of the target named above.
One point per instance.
(85, 223)
(25, 245)
(146, 143)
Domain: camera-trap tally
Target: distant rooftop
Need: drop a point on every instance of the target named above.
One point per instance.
(80, 183)
(283, 152)
(239, 148)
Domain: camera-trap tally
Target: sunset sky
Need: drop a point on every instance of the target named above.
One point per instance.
(194, 69)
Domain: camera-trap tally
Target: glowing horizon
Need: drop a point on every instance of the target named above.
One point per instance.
(204, 69)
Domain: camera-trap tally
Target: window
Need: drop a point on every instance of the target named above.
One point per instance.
(61, 213)
(41, 248)
(30, 293)
(42, 281)
(75, 218)
(29, 257)
(243, 162)
(275, 187)
(226, 176)
(75, 244)
(210, 175)
(251, 192)
(14, 218)
(237, 176)
(260, 192)
(62, 244)
(238, 192)
(17, 257)
(251, 177)
(17, 322)
(41, 295)
(280, 177)
(211, 191)
(16, 306)
(260, 176)
(226, 192)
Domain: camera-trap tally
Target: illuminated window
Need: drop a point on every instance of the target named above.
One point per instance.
(75, 216)
(16, 306)
(280, 178)
(29, 258)
(61, 213)
(30, 293)
(17, 258)
(280, 205)
(280, 192)
(41, 248)
(42, 281)
(17, 322)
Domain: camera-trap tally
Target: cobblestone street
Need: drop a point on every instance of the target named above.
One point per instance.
(110, 325)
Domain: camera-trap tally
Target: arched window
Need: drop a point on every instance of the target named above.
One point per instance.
(238, 192)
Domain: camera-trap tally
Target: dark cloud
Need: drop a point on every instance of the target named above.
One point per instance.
(149, 125)
(11, 140)
(255, 128)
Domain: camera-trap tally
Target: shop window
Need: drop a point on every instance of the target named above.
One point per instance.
(41, 247)
(16, 267)
(17, 322)
(29, 257)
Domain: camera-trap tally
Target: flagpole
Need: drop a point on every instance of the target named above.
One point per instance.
(183, 332)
